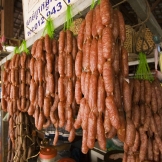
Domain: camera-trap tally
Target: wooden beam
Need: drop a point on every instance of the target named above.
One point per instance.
(140, 7)
(7, 17)
(155, 4)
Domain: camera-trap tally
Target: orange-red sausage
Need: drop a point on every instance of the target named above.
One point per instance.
(101, 133)
(107, 122)
(69, 66)
(54, 46)
(92, 130)
(108, 77)
(86, 55)
(75, 48)
(78, 92)
(124, 62)
(107, 42)
(69, 37)
(101, 95)
(86, 85)
(39, 49)
(78, 64)
(40, 121)
(99, 25)
(80, 38)
(61, 64)
(50, 61)
(101, 59)
(48, 43)
(113, 112)
(78, 120)
(94, 29)
(61, 90)
(85, 116)
(32, 91)
(70, 95)
(47, 106)
(122, 33)
(31, 66)
(93, 93)
(130, 133)
(93, 55)
(84, 142)
(61, 114)
(62, 36)
(116, 25)
(105, 12)
(126, 96)
(33, 49)
(88, 26)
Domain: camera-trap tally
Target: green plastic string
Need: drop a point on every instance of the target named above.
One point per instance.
(16, 50)
(69, 18)
(49, 28)
(143, 70)
(93, 4)
(23, 47)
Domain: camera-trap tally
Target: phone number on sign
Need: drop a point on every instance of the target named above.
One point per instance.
(57, 8)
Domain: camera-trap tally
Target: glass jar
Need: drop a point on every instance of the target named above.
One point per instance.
(48, 154)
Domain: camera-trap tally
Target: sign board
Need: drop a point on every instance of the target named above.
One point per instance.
(36, 11)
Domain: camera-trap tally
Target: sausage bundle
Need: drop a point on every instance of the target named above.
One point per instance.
(15, 84)
(96, 69)
(145, 142)
(44, 82)
(90, 72)
(67, 84)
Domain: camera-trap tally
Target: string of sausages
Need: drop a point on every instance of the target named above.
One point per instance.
(66, 82)
(15, 84)
(97, 67)
(91, 73)
(43, 87)
(69, 73)
(143, 131)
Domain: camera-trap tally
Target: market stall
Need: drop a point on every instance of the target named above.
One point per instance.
(79, 83)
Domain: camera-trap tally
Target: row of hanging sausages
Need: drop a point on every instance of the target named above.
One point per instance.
(89, 73)
(97, 66)
(82, 72)
(145, 132)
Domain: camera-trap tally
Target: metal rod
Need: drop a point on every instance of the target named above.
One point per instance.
(65, 2)
(119, 3)
(31, 30)
(43, 17)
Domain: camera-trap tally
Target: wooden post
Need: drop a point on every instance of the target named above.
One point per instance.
(7, 16)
